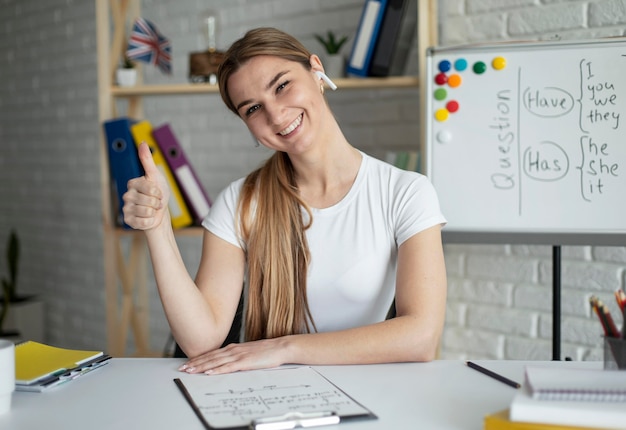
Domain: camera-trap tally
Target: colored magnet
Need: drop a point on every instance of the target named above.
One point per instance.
(444, 136)
(441, 79)
(460, 64)
(444, 66)
(454, 80)
(440, 94)
(479, 67)
(441, 114)
(452, 106)
(498, 63)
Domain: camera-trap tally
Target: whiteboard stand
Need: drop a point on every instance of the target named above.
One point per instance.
(524, 144)
(556, 303)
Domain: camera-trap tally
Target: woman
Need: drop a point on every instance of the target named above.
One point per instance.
(323, 236)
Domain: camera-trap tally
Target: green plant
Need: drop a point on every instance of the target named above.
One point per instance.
(9, 285)
(331, 42)
(127, 64)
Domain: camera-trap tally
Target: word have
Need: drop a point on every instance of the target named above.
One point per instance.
(548, 102)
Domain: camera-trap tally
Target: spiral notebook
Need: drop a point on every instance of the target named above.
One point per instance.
(547, 383)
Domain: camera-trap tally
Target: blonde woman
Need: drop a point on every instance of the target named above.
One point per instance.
(321, 239)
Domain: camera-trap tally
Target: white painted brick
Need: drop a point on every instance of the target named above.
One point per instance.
(483, 292)
(474, 344)
(542, 19)
(520, 348)
(608, 12)
(480, 6)
(610, 254)
(501, 320)
(502, 268)
(453, 7)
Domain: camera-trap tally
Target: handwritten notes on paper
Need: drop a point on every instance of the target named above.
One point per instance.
(236, 400)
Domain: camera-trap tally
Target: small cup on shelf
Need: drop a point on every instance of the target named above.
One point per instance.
(614, 353)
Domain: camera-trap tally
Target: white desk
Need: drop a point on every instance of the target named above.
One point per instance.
(137, 393)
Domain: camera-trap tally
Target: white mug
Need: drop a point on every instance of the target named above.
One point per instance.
(7, 374)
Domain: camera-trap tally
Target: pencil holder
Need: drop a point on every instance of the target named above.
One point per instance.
(614, 353)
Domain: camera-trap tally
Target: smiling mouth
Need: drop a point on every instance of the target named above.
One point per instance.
(292, 126)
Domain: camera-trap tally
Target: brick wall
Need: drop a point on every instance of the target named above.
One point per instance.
(499, 302)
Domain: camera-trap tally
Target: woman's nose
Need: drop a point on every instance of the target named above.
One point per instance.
(275, 114)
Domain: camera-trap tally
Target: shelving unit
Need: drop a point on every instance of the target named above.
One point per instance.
(126, 272)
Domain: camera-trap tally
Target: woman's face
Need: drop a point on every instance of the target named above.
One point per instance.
(280, 102)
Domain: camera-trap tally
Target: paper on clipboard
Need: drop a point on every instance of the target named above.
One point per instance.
(239, 400)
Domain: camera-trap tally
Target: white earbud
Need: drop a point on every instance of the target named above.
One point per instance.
(326, 79)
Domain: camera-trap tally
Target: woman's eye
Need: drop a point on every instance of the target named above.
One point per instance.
(252, 109)
(282, 86)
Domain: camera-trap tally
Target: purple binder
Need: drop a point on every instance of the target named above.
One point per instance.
(190, 186)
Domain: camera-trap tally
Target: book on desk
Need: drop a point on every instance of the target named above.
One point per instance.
(40, 367)
(583, 398)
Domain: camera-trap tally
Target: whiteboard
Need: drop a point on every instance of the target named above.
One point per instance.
(527, 142)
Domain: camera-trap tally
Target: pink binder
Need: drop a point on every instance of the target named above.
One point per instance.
(196, 197)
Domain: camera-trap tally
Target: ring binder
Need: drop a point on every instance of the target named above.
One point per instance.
(292, 420)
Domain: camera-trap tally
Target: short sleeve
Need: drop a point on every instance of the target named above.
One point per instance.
(221, 220)
(417, 207)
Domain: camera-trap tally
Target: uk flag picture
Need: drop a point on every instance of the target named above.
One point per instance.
(146, 44)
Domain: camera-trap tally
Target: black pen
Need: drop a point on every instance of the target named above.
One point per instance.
(494, 375)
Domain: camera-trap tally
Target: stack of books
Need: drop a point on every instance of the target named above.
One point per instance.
(565, 399)
(40, 367)
(383, 39)
(189, 202)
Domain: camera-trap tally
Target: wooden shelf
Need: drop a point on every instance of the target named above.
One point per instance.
(189, 88)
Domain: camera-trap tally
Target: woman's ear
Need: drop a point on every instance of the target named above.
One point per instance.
(316, 63)
(318, 70)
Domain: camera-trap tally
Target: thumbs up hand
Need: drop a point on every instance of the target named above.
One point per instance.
(145, 202)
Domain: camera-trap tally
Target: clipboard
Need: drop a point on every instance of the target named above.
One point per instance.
(272, 399)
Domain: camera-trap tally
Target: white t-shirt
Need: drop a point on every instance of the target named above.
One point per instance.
(353, 244)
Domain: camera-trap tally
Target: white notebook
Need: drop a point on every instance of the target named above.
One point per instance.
(545, 383)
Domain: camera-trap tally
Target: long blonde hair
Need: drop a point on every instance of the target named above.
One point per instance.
(270, 212)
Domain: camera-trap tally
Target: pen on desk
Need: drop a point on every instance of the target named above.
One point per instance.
(494, 375)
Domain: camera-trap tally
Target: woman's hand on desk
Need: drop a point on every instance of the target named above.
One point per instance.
(145, 202)
(260, 354)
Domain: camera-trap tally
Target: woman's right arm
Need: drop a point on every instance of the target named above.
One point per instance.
(199, 313)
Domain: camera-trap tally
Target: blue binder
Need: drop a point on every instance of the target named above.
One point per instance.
(366, 37)
(123, 162)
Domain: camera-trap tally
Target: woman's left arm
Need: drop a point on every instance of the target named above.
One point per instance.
(421, 290)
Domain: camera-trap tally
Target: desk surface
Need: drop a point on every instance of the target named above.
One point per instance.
(138, 393)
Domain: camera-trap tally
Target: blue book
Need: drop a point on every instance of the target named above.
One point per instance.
(396, 34)
(366, 38)
(123, 162)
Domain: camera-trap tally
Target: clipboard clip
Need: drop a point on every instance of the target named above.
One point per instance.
(291, 420)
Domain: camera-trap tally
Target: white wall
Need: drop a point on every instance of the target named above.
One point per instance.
(499, 301)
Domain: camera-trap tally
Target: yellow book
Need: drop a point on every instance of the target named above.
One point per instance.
(500, 421)
(181, 217)
(36, 361)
